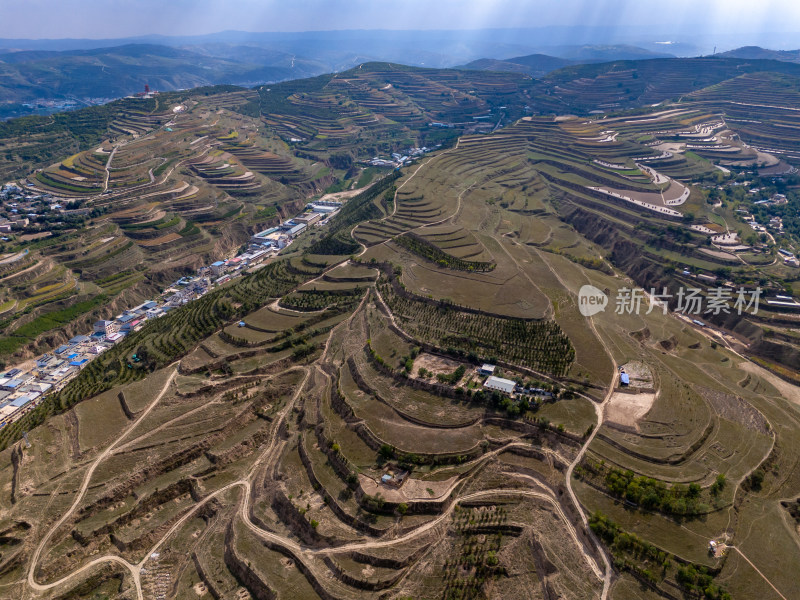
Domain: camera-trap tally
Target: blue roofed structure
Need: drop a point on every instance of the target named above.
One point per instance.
(21, 401)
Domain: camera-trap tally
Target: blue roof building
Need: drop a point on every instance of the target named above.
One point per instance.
(21, 401)
(624, 379)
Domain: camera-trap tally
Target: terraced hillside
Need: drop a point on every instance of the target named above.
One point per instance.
(626, 84)
(168, 184)
(321, 427)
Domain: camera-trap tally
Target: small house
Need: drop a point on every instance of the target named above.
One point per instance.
(486, 369)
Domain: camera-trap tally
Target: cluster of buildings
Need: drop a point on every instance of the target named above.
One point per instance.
(774, 223)
(508, 387)
(18, 208)
(398, 159)
(266, 244)
(277, 238)
(774, 200)
(21, 388)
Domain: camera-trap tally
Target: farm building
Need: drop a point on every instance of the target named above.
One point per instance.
(486, 369)
(624, 379)
(499, 384)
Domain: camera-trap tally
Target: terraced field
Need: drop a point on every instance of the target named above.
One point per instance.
(320, 427)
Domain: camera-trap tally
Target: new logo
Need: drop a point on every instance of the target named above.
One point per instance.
(591, 300)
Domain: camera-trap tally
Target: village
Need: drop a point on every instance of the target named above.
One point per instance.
(23, 386)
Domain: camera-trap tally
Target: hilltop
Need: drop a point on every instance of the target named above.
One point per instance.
(538, 65)
(757, 52)
(535, 65)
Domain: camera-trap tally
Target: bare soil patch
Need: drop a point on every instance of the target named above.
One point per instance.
(411, 490)
(628, 409)
(435, 364)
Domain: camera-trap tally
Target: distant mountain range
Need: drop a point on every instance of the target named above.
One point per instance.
(539, 65)
(50, 75)
(756, 52)
(123, 70)
(40, 77)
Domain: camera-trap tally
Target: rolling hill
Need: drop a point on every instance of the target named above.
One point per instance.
(123, 70)
(757, 52)
(556, 57)
(535, 65)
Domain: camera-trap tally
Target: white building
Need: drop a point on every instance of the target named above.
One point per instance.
(106, 327)
(499, 384)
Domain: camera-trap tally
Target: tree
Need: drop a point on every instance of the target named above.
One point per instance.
(718, 485)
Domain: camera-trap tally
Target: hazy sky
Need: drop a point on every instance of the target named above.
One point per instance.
(120, 18)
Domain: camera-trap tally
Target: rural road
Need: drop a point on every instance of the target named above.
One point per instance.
(272, 451)
(79, 497)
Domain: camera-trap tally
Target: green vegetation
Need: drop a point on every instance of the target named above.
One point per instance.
(651, 564)
(162, 341)
(454, 377)
(679, 500)
(24, 334)
(360, 208)
(538, 344)
(429, 251)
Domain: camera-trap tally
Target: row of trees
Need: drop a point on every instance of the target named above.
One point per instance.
(360, 208)
(652, 564)
(651, 494)
(422, 247)
(164, 340)
(540, 345)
